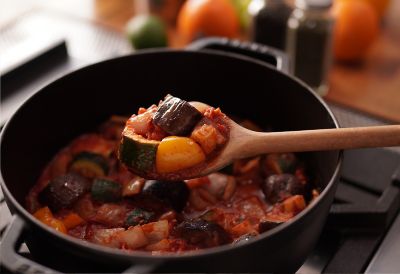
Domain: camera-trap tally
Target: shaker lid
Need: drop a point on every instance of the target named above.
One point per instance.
(313, 4)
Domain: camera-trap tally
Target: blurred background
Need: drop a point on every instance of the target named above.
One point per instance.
(347, 50)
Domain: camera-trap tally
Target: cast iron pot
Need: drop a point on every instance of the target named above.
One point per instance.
(213, 71)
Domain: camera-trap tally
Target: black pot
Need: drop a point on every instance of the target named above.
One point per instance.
(80, 101)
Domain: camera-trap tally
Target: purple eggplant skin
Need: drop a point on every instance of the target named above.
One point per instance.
(174, 193)
(278, 187)
(63, 191)
(176, 117)
(202, 233)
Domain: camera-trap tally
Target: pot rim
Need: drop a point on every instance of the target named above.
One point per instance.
(143, 255)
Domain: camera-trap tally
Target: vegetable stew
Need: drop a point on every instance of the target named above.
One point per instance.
(87, 193)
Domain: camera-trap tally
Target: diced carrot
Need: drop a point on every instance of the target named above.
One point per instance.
(72, 220)
(294, 204)
(45, 216)
(57, 225)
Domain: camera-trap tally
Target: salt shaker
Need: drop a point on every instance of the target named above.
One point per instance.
(309, 42)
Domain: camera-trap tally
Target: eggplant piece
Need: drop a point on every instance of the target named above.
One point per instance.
(138, 216)
(267, 225)
(202, 233)
(63, 191)
(277, 188)
(176, 117)
(104, 190)
(89, 164)
(175, 194)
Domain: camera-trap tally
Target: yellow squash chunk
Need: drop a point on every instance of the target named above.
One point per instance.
(177, 153)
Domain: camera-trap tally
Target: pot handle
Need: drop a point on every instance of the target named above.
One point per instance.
(11, 259)
(255, 51)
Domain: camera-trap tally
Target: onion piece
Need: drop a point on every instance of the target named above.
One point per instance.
(107, 236)
(133, 237)
(156, 231)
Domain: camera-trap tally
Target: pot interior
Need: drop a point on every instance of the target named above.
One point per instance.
(79, 102)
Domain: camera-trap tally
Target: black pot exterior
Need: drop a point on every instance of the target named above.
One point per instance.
(80, 101)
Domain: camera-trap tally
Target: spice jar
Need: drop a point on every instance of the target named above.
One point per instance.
(308, 42)
(268, 24)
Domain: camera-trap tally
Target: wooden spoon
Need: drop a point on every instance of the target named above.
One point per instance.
(244, 143)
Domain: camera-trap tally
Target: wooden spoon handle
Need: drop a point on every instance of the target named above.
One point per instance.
(323, 139)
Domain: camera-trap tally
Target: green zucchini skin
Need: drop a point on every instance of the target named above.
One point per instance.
(138, 153)
(104, 190)
(176, 116)
(89, 164)
(138, 216)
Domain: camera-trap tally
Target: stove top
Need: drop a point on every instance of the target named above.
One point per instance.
(362, 231)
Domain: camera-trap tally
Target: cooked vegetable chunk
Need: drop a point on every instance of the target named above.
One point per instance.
(104, 190)
(45, 216)
(294, 204)
(177, 153)
(72, 220)
(202, 233)
(174, 194)
(133, 237)
(89, 164)
(156, 231)
(206, 136)
(280, 163)
(176, 116)
(138, 216)
(110, 214)
(63, 191)
(137, 153)
(279, 187)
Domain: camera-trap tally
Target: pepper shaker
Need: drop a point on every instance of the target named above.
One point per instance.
(309, 42)
(268, 24)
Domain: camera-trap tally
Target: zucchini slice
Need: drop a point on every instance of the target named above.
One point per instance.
(137, 152)
(138, 216)
(104, 190)
(89, 164)
(176, 117)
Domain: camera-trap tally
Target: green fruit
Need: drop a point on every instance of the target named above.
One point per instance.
(146, 31)
(241, 7)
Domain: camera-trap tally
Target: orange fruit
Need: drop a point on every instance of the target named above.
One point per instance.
(380, 6)
(356, 27)
(198, 18)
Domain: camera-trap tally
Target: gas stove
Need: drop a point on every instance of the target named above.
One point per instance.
(362, 230)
